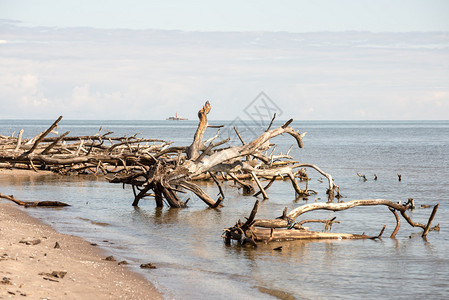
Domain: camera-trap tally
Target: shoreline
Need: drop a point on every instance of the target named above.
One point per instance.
(28, 257)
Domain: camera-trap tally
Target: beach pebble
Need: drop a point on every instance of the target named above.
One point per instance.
(58, 274)
(148, 266)
(6, 280)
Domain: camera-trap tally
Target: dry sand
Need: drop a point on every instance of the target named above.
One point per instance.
(28, 257)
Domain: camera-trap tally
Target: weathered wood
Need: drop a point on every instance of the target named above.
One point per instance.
(247, 188)
(247, 160)
(259, 184)
(343, 206)
(398, 223)
(267, 186)
(429, 223)
(43, 135)
(169, 195)
(193, 150)
(19, 140)
(168, 171)
(234, 152)
(90, 153)
(265, 234)
(61, 156)
(286, 228)
(299, 192)
(34, 203)
(199, 192)
(142, 193)
(52, 145)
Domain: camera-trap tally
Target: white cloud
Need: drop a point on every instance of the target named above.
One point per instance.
(441, 95)
(29, 82)
(150, 74)
(361, 113)
(81, 96)
(21, 92)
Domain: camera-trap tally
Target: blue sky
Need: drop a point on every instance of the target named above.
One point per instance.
(317, 60)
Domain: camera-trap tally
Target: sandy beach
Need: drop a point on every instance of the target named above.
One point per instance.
(39, 263)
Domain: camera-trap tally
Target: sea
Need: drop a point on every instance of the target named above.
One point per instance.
(186, 246)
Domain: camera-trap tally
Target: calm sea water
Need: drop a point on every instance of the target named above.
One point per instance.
(194, 263)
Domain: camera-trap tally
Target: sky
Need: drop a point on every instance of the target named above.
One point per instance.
(313, 60)
(234, 15)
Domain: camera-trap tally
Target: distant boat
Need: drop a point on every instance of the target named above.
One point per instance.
(176, 118)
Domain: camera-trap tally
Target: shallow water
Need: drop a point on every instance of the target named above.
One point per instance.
(185, 244)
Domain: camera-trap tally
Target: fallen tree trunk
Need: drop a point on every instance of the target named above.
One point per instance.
(284, 234)
(286, 228)
(34, 203)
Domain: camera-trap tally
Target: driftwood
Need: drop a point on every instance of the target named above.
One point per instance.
(34, 203)
(96, 154)
(154, 168)
(287, 228)
(246, 164)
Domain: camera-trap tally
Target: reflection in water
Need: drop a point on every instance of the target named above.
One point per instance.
(276, 293)
(160, 216)
(94, 222)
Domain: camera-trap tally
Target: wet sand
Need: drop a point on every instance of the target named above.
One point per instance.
(22, 172)
(28, 258)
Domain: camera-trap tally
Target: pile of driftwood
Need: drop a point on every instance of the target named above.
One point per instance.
(156, 169)
(175, 169)
(64, 154)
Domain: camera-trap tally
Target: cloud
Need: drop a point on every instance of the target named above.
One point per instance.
(28, 82)
(81, 96)
(21, 93)
(439, 101)
(443, 95)
(86, 73)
